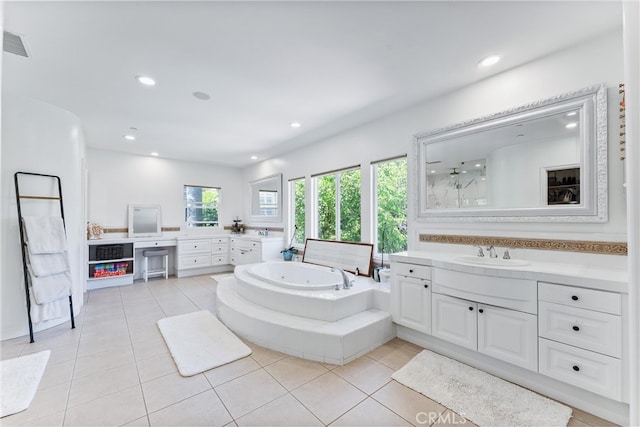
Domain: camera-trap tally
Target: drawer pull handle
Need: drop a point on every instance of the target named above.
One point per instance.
(481, 311)
(574, 297)
(426, 286)
(576, 368)
(410, 270)
(470, 308)
(576, 328)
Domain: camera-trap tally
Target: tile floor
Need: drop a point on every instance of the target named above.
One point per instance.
(114, 369)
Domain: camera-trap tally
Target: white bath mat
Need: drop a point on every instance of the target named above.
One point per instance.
(19, 379)
(199, 342)
(478, 396)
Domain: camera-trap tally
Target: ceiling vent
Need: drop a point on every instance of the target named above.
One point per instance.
(12, 43)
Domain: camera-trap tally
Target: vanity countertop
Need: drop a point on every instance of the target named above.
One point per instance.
(608, 279)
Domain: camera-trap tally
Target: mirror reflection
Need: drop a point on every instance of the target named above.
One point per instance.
(266, 195)
(510, 166)
(545, 160)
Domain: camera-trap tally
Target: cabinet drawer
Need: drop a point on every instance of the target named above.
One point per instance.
(516, 294)
(219, 259)
(218, 248)
(412, 270)
(220, 240)
(194, 246)
(155, 243)
(607, 302)
(591, 330)
(585, 369)
(194, 261)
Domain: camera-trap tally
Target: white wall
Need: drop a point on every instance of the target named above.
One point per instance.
(42, 138)
(598, 61)
(118, 179)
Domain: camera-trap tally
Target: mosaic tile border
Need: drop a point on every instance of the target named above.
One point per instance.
(126, 230)
(586, 246)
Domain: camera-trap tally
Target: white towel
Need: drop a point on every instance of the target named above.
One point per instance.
(47, 264)
(50, 288)
(44, 234)
(48, 311)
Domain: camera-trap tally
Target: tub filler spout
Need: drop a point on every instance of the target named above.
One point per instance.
(345, 280)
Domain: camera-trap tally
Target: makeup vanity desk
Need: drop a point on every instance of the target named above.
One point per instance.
(117, 261)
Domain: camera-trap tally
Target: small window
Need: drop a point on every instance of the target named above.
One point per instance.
(390, 205)
(201, 206)
(297, 210)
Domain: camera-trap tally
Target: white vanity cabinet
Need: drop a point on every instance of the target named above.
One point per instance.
(497, 318)
(505, 334)
(411, 296)
(202, 255)
(252, 249)
(581, 337)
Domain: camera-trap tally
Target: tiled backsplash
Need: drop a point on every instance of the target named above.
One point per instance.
(586, 246)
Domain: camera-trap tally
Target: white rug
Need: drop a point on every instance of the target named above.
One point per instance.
(199, 342)
(478, 396)
(19, 379)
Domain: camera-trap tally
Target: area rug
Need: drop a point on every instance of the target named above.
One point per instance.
(19, 379)
(478, 396)
(199, 342)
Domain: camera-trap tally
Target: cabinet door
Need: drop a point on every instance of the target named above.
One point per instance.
(508, 335)
(411, 303)
(455, 320)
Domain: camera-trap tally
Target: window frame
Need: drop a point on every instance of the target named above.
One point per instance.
(201, 205)
(338, 198)
(292, 210)
(374, 202)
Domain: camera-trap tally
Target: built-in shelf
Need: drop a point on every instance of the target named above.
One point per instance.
(563, 186)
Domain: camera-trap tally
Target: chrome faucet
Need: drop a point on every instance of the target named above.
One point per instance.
(506, 254)
(345, 280)
(492, 252)
(480, 253)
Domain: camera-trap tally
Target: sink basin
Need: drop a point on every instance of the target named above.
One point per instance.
(491, 262)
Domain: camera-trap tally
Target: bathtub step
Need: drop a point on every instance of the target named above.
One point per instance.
(336, 342)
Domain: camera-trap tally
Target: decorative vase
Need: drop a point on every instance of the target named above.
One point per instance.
(287, 255)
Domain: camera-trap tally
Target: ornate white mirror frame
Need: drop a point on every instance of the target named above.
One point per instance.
(591, 106)
(266, 199)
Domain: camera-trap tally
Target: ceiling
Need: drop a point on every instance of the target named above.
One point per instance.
(331, 66)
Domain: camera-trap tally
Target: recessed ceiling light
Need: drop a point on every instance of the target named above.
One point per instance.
(254, 157)
(154, 154)
(478, 165)
(146, 80)
(433, 171)
(464, 171)
(295, 124)
(202, 96)
(489, 61)
(129, 137)
(571, 125)
(483, 179)
(572, 113)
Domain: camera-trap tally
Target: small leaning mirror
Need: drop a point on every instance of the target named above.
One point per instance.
(544, 162)
(266, 198)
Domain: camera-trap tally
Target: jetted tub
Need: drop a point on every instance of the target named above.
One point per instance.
(296, 275)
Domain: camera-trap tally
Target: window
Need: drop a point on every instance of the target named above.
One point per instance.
(201, 206)
(390, 205)
(338, 206)
(297, 212)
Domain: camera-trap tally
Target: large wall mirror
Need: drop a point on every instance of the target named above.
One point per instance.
(266, 198)
(543, 162)
(145, 220)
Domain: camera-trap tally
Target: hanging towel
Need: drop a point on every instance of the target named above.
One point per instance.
(50, 288)
(44, 234)
(48, 311)
(47, 264)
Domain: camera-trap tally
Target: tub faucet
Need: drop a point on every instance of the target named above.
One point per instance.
(345, 279)
(492, 252)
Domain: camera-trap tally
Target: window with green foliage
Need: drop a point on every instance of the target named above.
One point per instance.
(201, 206)
(338, 203)
(390, 205)
(297, 214)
